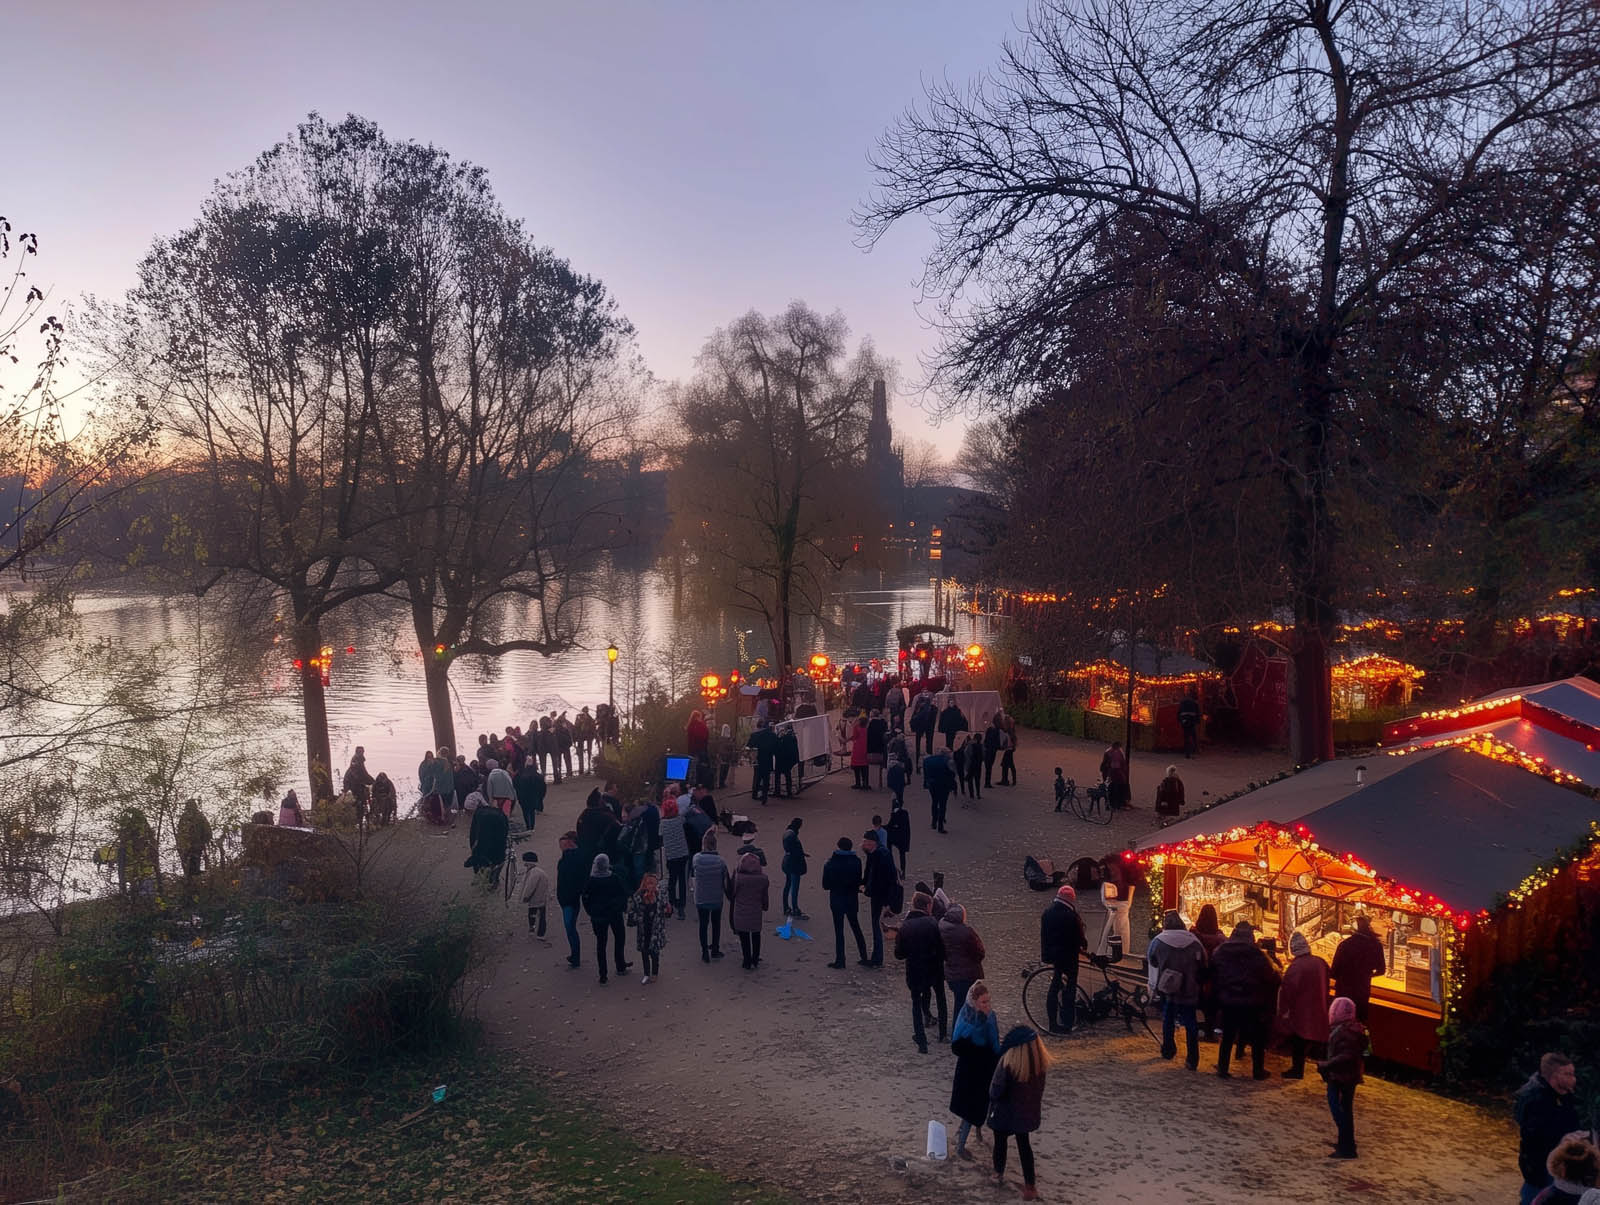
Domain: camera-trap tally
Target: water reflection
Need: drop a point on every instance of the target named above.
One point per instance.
(376, 697)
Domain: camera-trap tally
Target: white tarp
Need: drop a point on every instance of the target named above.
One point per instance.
(978, 706)
(811, 734)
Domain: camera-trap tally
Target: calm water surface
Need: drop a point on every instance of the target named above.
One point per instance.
(376, 697)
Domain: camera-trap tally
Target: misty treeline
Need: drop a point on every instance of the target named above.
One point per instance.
(1275, 305)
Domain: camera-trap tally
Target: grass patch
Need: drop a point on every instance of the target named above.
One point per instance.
(497, 1136)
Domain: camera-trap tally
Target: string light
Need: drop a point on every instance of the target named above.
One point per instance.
(1495, 749)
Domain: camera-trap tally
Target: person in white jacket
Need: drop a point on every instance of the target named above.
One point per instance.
(535, 894)
(1174, 961)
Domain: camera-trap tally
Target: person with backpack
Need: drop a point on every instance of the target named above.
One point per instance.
(841, 879)
(794, 869)
(1175, 960)
(881, 885)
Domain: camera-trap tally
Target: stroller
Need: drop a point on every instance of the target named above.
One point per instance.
(1041, 873)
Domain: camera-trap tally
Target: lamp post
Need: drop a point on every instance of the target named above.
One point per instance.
(611, 686)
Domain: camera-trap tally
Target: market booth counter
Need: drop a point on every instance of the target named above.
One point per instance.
(1425, 847)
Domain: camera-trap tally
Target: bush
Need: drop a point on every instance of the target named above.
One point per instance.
(136, 1013)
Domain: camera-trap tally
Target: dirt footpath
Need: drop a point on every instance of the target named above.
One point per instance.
(807, 1077)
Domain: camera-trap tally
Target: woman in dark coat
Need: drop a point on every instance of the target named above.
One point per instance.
(975, 1041)
(605, 899)
(898, 831)
(1210, 933)
(1016, 1099)
(748, 891)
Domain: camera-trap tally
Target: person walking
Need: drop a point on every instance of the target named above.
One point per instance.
(841, 879)
(785, 760)
(939, 779)
(924, 719)
(572, 875)
(1008, 750)
(881, 885)
(1341, 1070)
(794, 869)
(858, 755)
(975, 1041)
(1175, 961)
(748, 889)
(710, 885)
(1302, 1003)
(502, 791)
(898, 831)
(970, 760)
(963, 954)
(1246, 981)
(1061, 940)
(1169, 794)
(920, 947)
(535, 894)
(951, 723)
(1545, 1112)
(1356, 960)
(648, 911)
(675, 849)
(489, 836)
(605, 899)
(1016, 1100)
(1189, 721)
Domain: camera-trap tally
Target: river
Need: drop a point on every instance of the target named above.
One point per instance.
(375, 694)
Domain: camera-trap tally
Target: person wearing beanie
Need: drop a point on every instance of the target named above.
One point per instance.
(748, 889)
(675, 849)
(920, 947)
(1302, 1014)
(1016, 1098)
(1061, 940)
(605, 899)
(881, 885)
(535, 894)
(710, 886)
(1175, 960)
(963, 951)
(1245, 981)
(794, 869)
(1341, 1070)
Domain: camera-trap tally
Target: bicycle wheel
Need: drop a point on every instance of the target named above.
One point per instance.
(508, 877)
(1138, 1009)
(1035, 997)
(1101, 814)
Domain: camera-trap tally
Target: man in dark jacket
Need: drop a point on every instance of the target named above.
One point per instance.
(940, 779)
(991, 750)
(881, 885)
(572, 873)
(1358, 958)
(1545, 1114)
(841, 879)
(1061, 939)
(951, 722)
(1246, 983)
(1189, 721)
(919, 945)
(596, 832)
(765, 743)
(785, 760)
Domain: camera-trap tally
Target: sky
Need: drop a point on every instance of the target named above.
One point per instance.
(701, 157)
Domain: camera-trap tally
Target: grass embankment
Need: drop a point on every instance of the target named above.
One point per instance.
(497, 1136)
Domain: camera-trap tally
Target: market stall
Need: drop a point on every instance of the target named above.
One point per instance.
(1161, 680)
(1439, 851)
(1371, 682)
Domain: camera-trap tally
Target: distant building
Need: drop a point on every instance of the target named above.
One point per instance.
(885, 466)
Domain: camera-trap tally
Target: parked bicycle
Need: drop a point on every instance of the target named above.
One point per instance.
(511, 868)
(1093, 805)
(1135, 1007)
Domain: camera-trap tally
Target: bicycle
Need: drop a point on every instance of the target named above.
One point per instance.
(1093, 805)
(1112, 1000)
(511, 868)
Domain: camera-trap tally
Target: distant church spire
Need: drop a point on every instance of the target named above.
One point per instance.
(883, 463)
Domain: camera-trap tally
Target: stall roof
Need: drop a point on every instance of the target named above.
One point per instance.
(1449, 822)
(1557, 723)
(1459, 826)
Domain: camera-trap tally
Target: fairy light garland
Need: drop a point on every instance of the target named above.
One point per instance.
(1495, 749)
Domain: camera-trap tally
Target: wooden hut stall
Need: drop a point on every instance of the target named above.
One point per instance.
(1371, 682)
(1448, 852)
(1161, 680)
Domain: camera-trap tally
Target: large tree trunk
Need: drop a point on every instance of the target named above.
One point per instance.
(314, 705)
(435, 666)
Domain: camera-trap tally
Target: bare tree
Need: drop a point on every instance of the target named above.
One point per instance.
(1339, 137)
(766, 486)
(923, 465)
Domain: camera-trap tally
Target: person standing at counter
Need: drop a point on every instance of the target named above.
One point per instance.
(1245, 981)
(1358, 958)
(1302, 1014)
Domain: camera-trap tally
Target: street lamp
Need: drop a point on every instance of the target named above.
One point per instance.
(611, 688)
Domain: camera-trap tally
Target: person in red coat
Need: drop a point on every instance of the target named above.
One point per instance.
(1210, 933)
(696, 737)
(1303, 1004)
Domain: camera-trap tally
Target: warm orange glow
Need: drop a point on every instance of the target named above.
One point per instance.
(819, 661)
(611, 653)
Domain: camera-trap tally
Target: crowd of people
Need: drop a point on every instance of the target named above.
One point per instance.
(639, 867)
